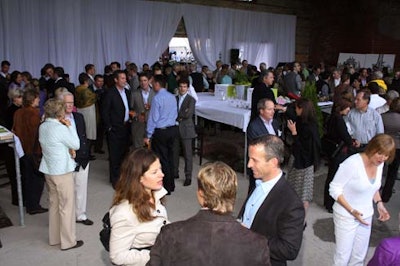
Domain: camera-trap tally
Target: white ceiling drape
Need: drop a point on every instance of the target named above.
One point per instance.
(77, 32)
(74, 33)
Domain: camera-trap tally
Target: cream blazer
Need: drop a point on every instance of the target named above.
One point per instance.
(127, 233)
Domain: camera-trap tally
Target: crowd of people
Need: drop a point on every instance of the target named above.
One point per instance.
(147, 119)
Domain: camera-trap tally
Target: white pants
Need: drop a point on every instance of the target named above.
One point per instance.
(352, 239)
(81, 181)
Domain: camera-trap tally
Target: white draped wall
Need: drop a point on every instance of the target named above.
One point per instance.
(74, 33)
(262, 37)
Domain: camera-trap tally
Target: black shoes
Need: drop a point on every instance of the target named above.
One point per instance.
(99, 151)
(37, 211)
(92, 157)
(85, 222)
(187, 182)
(79, 243)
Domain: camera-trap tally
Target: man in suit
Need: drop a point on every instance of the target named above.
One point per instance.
(115, 116)
(98, 88)
(263, 90)
(212, 236)
(81, 172)
(140, 103)
(263, 124)
(292, 80)
(90, 70)
(60, 82)
(187, 132)
(4, 81)
(162, 129)
(273, 208)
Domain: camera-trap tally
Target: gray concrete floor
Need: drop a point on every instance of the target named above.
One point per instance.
(28, 245)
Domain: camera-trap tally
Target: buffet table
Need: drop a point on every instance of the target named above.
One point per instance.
(215, 109)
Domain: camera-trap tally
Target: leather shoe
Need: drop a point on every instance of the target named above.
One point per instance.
(92, 157)
(99, 151)
(79, 243)
(85, 222)
(37, 211)
(187, 182)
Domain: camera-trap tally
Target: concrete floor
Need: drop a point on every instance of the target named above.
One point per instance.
(29, 245)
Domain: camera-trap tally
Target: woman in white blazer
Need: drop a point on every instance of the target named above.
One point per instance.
(59, 140)
(137, 212)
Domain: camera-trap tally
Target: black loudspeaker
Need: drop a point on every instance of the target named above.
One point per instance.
(234, 56)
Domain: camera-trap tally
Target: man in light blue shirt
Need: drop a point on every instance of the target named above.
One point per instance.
(273, 208)
(162, 129)
(364, 121)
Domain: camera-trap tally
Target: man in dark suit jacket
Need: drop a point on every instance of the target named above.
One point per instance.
(263, 124)
(263, 90)
(140, 103)
(81, 172)
(60, 82)
(212, 236)
(187, 132)
(115, 114)
(273, 209)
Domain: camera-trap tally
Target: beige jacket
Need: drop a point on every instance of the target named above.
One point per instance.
(127, 233)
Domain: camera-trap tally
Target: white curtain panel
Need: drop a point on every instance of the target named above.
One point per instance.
(74, 33)
(260, 36)
(77, 32)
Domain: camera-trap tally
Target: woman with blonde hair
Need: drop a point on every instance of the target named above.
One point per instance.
(355, 187)
(137, 213)
(58, 140)
(213, 236)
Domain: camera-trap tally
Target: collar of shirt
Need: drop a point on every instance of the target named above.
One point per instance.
(257, 198)
(3, 74)
(183, 96)
(70, 117)
(268, 125)
(268, 185)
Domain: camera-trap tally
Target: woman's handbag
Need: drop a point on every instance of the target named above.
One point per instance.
(331, 148)
(106, 231)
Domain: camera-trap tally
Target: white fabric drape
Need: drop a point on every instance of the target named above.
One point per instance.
(74, 33)
(260, 36)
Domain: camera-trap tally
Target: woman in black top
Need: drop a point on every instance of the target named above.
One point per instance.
(338, 133)
(305, 150)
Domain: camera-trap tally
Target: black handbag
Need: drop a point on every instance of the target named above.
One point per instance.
(106, 232)
(330, 147)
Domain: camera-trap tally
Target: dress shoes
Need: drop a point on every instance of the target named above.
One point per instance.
(85, 222)
(37, 211)
(79, 243)
(176, 177)
(99, 151)
(92, 157)
(187, 182)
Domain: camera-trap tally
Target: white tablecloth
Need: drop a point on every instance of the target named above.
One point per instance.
(213, 108)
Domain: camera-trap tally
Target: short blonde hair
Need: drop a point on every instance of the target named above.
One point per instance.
(218, 182)
(383, 144)
(54, 108)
